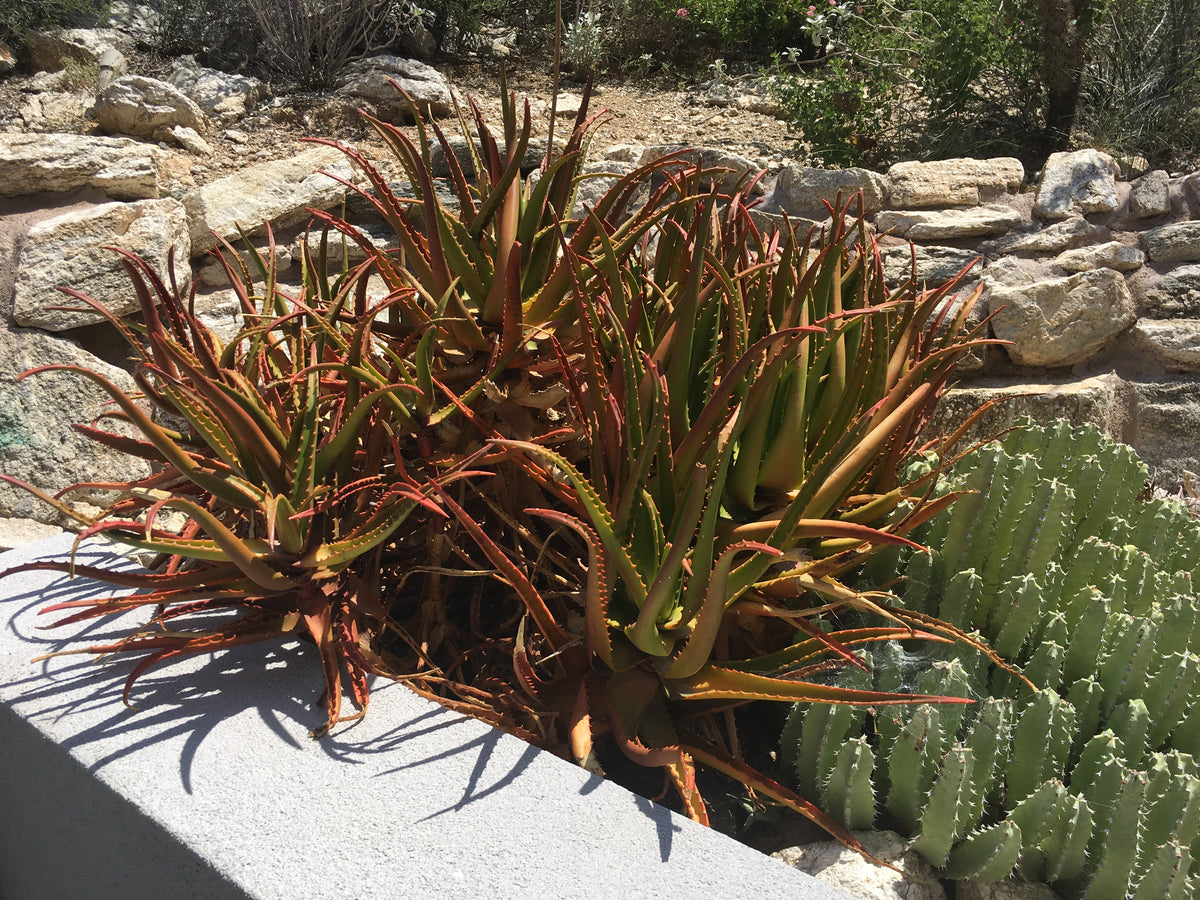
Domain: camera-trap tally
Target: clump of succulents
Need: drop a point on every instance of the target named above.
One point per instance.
(1077, 765)
(580, 477)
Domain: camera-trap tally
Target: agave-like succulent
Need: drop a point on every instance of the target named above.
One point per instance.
(665, 432)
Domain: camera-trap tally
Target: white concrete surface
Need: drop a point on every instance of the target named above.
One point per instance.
(215, 790)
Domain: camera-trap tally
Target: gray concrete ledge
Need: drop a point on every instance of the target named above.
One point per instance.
(215, 790)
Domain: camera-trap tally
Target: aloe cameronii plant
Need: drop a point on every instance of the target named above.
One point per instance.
(1083, 774)
(284, 464)
(683, 355)
(662, 429)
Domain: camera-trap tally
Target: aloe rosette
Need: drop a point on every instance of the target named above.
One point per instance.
(594, 480)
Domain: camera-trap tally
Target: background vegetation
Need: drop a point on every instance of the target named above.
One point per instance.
(862, 83)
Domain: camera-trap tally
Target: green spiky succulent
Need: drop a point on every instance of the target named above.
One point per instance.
(1080, 770)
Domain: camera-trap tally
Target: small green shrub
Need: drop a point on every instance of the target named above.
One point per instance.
(929, 78)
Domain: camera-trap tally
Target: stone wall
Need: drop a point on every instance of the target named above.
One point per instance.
(1091, 277)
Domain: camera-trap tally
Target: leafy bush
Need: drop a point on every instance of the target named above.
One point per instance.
(929, 78)
(1078, 767)
(577, 477)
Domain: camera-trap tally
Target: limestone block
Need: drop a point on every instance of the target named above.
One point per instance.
(947, 224)
(461, 148)
(366, 81)
(136, 105)
(52, 111)
(122, 168)
(1192, 183)
(1061, 321)
(952, 182)
(935, 265)
(71, 250)
(1176, 295)
(1082, 181)
(279, 192)
(49, 51)
(801, 191)
(1167, 422)
(1111, 255)
(37, 443)
(839, 866)
(1105, 401)
(1150, 195)
(1173, 344)
(739, 167)
(1054, 238)
(1174, 243)
(185, 137)
(219, 94)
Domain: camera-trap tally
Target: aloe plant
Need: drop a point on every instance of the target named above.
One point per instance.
(1080, 771)
(534, 480)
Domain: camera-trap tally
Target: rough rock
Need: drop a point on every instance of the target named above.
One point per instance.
(1192, 183)
(1105, 401)
(70, 250)
(52, 111)
(1082, 181)
(1052, 239)
(1173, 344)
(49, 51)
(952, 182)
(947, 224)
(418, 41)
(603, 176)
(278, 192)
(37, 443)
(219, 94)
(1174, 243)
(1175, 296)
(136, 105)
(748, 92)
(366, 81)
(568, 105)
(935, 265)
(1009, 889)
(221, 313)
(534, 153)
(1061, 321)
(1150, 195)
(1015, 271)
(837, 865)
(185, 137)
(1167, 422)
(709, 158)
(1112, 255)
(8, 60)
(801, 191)
(380, 235)
(123, 169)
(18, 532)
